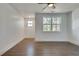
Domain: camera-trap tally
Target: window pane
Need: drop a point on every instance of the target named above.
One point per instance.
(54, 20)
(46, 20)
(58, 20)
(58, 27)
(29, 24)
(54, 27)
(29, 21)
(46, 27)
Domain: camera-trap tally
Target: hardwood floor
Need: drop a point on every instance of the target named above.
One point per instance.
(24, 48)
(56, 49)
(28, 47)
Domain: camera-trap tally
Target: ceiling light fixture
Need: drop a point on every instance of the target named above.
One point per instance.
(53, 6)
(50, 5)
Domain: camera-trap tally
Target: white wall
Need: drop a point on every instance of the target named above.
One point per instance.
(75, 26)
(50, 36)
(69, 26)
(11, 27)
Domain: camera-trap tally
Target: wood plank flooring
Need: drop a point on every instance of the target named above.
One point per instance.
(24, 48)
(28, 47)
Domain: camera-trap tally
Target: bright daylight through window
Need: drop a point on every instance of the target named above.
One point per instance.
(51, 24)
(30, 23)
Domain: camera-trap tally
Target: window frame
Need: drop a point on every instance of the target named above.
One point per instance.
(53, 24)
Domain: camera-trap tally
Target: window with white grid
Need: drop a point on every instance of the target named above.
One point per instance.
(51, 23)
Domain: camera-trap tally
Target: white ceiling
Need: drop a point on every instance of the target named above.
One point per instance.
(31, 8)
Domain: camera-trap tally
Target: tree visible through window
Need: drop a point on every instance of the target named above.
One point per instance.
(51, 23)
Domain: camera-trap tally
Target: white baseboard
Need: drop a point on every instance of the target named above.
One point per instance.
(29, 37)
(9, 46)
(39, 40)
(49, 39)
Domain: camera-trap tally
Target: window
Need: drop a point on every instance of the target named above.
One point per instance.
(30, 23)
(46, 24)
(51, 23)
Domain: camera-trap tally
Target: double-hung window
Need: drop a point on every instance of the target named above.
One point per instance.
(51, 24)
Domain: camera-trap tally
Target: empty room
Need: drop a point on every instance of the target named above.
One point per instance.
(39, 29)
